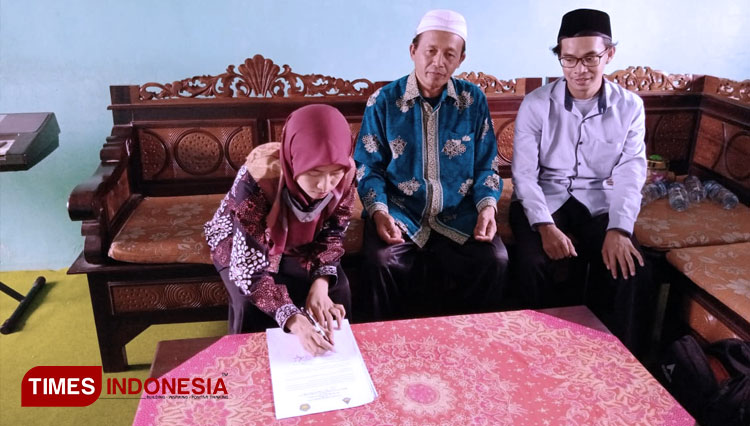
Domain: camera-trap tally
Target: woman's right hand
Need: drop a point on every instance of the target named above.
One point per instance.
(310, 339)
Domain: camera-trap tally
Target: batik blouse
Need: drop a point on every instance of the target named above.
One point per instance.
(238, 238)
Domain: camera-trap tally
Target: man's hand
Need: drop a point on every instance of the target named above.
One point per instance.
(618, 250)
(310, 339)
(486, 226)
(387, 229)
(556, 244)
(322, 308)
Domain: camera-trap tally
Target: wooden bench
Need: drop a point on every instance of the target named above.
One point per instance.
(175, 148)
(702, 252)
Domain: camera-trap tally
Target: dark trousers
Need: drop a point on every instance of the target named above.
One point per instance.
(625, 305)
(443, 277)
(245, 317)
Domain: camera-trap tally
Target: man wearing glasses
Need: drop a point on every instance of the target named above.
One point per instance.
(578, 167)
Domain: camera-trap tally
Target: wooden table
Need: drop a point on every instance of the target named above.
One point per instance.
(515, 368)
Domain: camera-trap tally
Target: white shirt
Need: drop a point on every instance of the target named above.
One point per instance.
(599, 158)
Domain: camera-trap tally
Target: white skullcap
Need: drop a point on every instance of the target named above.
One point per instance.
(443, 20)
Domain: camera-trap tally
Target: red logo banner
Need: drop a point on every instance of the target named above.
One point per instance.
(61, 386)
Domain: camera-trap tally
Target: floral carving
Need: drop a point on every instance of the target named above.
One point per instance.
(488, 83)
(257, 77)
(645, 79)
(738, 90)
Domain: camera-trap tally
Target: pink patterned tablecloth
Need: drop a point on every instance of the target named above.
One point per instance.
(509, 368)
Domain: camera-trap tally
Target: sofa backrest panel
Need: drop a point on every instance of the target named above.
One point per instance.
(504, 128)
(722, 147)
(276, 126)
(192, 135)
(670, 134)
(188, 153)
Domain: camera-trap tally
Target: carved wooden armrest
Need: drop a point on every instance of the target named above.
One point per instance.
(98, 201)
(86, 199)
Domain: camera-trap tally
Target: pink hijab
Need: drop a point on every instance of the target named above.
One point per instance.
(313, 136)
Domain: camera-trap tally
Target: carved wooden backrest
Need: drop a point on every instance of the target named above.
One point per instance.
(722, 144)
(712, 112)
(185, 153)
(200, 129)
(258, 77)
(504, 98)
(644, 80)
(670, 126)
(494, 87)
(738, 91)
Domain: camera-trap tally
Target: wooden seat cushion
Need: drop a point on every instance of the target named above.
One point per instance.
(166, 230)
(723, 271)
(170, 230)
(703, 224)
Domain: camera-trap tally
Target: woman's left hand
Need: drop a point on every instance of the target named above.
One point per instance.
(322, 307)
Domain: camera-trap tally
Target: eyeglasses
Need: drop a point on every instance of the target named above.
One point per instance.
(588, 61)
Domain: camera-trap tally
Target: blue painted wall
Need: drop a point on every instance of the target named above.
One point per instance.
(62, 56)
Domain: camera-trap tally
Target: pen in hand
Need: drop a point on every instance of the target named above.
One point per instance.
(317, 326)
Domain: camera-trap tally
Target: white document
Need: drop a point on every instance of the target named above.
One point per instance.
(305, 384)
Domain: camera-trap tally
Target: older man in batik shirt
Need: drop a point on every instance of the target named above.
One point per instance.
(425, 157)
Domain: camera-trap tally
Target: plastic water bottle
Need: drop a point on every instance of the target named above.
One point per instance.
(721, 195)
(695, 189)
(653, 191)
(678, 196)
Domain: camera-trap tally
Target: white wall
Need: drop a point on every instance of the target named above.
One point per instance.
(62, 56)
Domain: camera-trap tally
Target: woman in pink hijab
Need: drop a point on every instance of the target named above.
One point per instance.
(277, 244)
